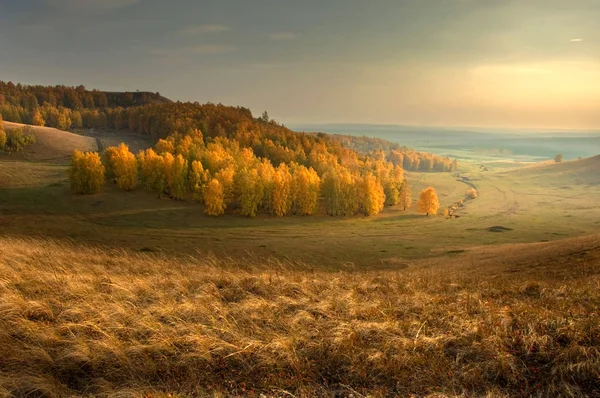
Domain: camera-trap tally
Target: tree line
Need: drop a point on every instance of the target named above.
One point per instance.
(225, 177)
(75, 108)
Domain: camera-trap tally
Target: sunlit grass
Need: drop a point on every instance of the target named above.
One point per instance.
(82, 321)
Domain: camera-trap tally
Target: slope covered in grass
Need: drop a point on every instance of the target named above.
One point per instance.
(53, 145)
(83, 321)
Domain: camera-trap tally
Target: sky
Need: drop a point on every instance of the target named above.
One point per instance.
(489, 63)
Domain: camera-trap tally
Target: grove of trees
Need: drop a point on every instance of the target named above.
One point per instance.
(222, 156)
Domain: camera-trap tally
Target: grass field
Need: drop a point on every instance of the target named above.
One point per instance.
(137, 296)
(516, 320)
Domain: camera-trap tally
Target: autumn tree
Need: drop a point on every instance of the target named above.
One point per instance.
(36, 118)
(164, 146)
(249, 191)
(281, 193)
(428, 201)
(372, 195)
(177, 175)
(152, 171)
(405, 195)
(86, 173)
(558, 158)
(198, 179)
(2, 134)
(124, 166)
(305, 190)
(214, 204)
(226, 178)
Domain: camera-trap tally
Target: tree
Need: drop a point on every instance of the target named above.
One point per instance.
(405, 195)
(372, 195)
(2, 134)
(305, 190)
(250, 191)
(177, 176)
(428, 201)
(36, 118)
(558, 158)
(86, 173)
(153, 172)
(198, 178)
(164, 146)
(213, 198)
(125, 168)
(281, 193)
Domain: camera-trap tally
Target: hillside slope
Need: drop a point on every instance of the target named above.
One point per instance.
(77, 321)
(582, 171)
(53, 145)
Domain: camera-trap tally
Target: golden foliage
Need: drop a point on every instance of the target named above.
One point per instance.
(472, 193)
(305, 190)
(177, 175)
(86, 173)
(372, 195)
(124, 166)
(153, 173)
(428, 201)
(405, 199)
(214, 204)
(281, 193)
(198, 179)
(2, 135)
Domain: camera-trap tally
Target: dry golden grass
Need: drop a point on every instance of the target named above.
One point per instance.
(80, 321)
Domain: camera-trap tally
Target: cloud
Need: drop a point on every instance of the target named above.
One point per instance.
(185, 51)
(283, 36)
(576, 40)
(90, 5)
(204, 29)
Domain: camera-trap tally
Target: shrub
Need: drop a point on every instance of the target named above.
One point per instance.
(472, 193)
(18, 139)
(558, 158)
(86, 172)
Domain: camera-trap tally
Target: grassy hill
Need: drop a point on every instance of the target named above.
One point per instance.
(53, 145)
(513, 320)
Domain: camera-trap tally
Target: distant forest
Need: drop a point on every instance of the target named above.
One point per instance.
(215, 139)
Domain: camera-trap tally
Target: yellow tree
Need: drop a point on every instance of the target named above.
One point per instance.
(108, 159)
(124, 168)
(2, 134)
(428, 201)
(86, 173)
(305, 190)
(153, 172)
(37, 119)
(164, 146)
(226, 178)
(198, 179)
(281, 194)
(331, 191)
(213, 198)
(177, 176)
(372, 195)
(249, 191)
(266, 173)
(405, 195)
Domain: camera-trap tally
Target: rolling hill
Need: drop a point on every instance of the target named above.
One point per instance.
(53, 145)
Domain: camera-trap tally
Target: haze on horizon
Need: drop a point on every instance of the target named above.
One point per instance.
(496, 63)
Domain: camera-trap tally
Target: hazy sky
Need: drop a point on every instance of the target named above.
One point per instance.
(519, 63)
